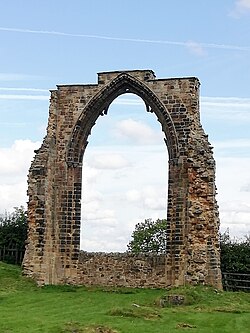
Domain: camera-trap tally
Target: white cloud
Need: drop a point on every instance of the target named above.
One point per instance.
(226, 108)
(16, 159)
(90, 206)
(103, 244)
(120, 198)
(231, 177)
(228, 102)
(235, 216)
(128, 101)
(133, 195)
(93, 195)
(245, 188)
(100, 217)
(150, 196)
(137, 131)
(245, 4)
(14, 164)
(90, 174)
(119, 205)
(196, 48)
(102, 232)
(241, 7)
(108, 161)
(229, 144)
(156, 203)
(12, 195)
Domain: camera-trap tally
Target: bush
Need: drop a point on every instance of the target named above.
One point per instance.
(235, 254)
(13, 234)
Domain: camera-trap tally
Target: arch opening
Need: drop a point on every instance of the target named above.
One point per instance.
(99, 105)
(124, 175)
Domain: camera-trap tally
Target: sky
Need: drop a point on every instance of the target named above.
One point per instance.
(45, 43)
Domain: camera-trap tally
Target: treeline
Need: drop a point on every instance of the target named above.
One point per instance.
(148, 236)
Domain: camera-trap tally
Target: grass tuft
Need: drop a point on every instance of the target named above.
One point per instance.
(143, 312)
(60, 288)
(120, 290)
(230, 309)
(99, 329)
(75, 327)
(184, 326)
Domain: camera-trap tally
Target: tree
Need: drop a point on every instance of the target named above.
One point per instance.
(235, 254)
(149, 236)
(13, 231)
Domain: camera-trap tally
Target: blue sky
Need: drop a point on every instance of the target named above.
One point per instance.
(59, 42)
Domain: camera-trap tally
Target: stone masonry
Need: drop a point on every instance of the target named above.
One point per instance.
(53, 253)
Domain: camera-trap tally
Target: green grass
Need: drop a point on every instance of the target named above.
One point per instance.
(26, 308)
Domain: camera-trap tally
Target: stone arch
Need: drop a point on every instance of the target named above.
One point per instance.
(55, 180)
(99, 104)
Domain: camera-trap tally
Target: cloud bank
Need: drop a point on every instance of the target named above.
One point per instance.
(14, 166)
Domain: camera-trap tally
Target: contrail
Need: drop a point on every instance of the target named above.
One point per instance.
(24, 89)
(134, 40)
(25, 97)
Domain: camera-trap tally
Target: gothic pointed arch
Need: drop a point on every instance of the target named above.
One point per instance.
(192, 255)
(99, 104)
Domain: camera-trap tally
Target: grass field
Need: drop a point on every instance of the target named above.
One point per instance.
(26, 308)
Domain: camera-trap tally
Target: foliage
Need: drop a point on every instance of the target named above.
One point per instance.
(13, 235)
(13, 229)
(25, 307)
(235, 254)
(149, 236)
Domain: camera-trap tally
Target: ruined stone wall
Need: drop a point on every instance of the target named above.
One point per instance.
(122, 270)
(55, 179)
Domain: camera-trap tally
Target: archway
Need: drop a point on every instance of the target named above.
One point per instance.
(55, 182)
(125, 166)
